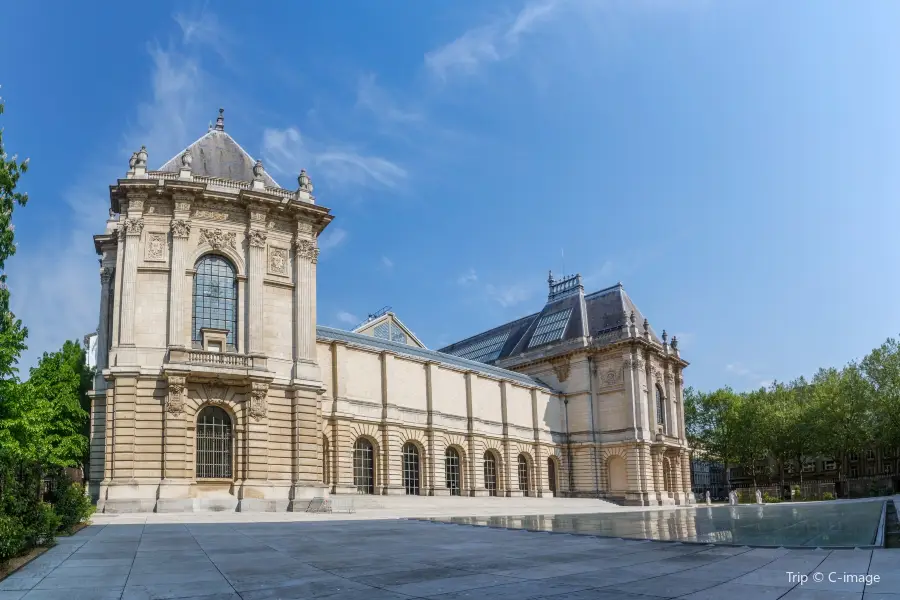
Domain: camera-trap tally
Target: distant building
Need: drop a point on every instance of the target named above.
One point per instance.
(884, 463)
(90, 349)
(709, 476)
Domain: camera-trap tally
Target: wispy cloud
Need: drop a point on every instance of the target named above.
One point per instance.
(375, 99)
(509, 295)
(331, 238)
(204, 29)
(387, 263)
(467, 278)
(347, 318)
(286, 151)
(744, 372)
(493, 42)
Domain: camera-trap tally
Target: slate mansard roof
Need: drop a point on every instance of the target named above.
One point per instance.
(568, 315)
(216, 154)
(338, 335)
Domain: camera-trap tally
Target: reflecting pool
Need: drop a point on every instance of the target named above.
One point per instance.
(826, 525)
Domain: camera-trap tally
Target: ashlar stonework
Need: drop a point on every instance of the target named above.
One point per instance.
(216, 389)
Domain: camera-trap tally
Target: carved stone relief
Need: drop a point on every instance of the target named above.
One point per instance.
(258, 393)
(106, 274)
(218, 238)
(157, 247)
(278, 261)
(159, 209)
(210, 215)
(561, 370)
(175, 396)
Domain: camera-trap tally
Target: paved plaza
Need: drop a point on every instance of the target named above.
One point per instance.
(242, 557)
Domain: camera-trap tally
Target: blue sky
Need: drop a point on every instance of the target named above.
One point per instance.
(734, 164)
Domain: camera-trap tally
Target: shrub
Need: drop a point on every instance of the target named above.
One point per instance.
(827, 496)
(770, 499)
(42, 528)
(72, 507)
(12, 537)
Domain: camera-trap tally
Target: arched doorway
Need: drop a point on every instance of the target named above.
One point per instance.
(490, 473)
(551, 475)
(618, 474)
(452, 471)
(411, 469)
(363, 466)
(214, 443)
(523, 473)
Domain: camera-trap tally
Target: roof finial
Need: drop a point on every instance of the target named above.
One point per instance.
(187, 159)
(665, 337)
(646, 326)
(220, 120)
(674, 342)
(132, 161)
(258, 171)
(141, 157)
(631, 317)
(550, 278)
(304, 182)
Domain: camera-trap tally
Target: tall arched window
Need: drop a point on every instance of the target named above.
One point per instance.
(213, 444)
(411, 469)
(215, 299)
(660, 407)
(523, 473)
(490, 473)
(363, 467)
(451, 470)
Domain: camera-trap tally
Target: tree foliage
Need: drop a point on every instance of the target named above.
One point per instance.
(837, 412)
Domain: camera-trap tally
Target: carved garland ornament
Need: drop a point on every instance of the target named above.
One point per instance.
(257, 238)
(307, 249)
(181, 228)
(175, 397)
(218, 238)
(257, 408)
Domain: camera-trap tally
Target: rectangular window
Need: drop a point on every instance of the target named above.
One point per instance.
(215, 346)
(550, 328)
(829, 465)
(870, 455)
(854, 471)
(852, 456)
(888, 469)
(809, 467)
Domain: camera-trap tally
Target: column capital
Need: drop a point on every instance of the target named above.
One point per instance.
(134, 226)
(106, 274)
(181, 228)
(307, 249)
(257, 238)
(304, 228)
(257, 212)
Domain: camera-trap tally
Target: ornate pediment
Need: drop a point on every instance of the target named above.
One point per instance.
(219, 239)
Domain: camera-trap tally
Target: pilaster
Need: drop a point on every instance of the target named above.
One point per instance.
(175, 487)
(106, 282)
(471, 470)
(430, 457)
(306, 256)
(134, 226)
(256, 266)
(181, 231)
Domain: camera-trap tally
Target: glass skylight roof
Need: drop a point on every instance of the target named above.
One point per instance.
(383, 331)
(484, 350)
(550, 328)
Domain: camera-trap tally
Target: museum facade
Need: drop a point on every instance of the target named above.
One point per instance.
(216, 389)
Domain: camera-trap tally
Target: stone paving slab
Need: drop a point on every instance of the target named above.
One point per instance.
(397, 559)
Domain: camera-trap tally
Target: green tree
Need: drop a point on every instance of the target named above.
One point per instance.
(713, 424)
(841, 405)
(12, 333)
(882, 370)
(751, 416)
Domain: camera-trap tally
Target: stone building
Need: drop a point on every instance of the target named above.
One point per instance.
(217, 390)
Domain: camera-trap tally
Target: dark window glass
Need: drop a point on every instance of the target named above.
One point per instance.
(451, 469)
(215, 298)
(411, 469)
(363, 467)
(523, 473)
(490, 473)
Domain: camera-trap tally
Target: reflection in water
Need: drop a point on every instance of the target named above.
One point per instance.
(811, 525)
